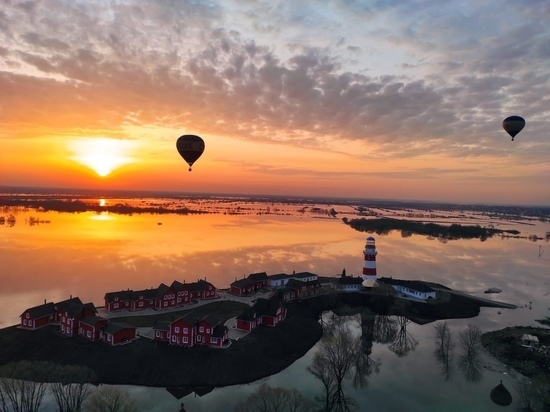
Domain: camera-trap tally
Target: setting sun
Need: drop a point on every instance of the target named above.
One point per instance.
(103, 155)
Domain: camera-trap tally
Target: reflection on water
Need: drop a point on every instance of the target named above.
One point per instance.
(79, 255)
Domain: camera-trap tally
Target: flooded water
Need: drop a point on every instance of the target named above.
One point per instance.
(51, 256)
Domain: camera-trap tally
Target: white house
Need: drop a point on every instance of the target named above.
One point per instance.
(410, 288)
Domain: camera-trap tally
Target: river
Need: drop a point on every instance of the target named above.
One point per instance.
(51, 256)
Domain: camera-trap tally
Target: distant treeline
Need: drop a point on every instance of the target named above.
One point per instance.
(408, 227)
(78, 206)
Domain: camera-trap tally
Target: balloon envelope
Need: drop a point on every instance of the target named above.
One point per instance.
(513, 125)
(190, 147)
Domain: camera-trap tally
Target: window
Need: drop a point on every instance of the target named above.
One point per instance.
(185, 331)
(140, 304)
(177, 329)
(173, 338)
(63, 319)
(207, 330)
(185, 339)
(109, 337)
(157, 334)
(141, 297)
(165, 303)
(116, 299)
(201, 329)
(27, 315)
(68, 330)
(213, 340)
(115, 305)
(89, 334)
(25, 321)
(199, 338)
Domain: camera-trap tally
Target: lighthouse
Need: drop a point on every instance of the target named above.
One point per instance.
(369, 264)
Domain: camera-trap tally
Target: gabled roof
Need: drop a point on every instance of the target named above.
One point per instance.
(65, 303)
(162, 290)
(191, 318)
(278, 276)
(267, 307)
(162, 325)
(249, 314)
(114, 327)
(242, 283)
(258, 276)
(146, 293)
(92, 320)
(295, 284)
(176, 286)
(411, 284)
(219, 331)
(121, 295)
(198, 285)
(211, 320)
(40, 311)
(301, 275)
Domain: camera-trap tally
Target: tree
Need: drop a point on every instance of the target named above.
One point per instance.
(70, 386)
(444, 349)
(469, 361)
(22, 385)
(404, 342)
(110, 399)
(269, 399)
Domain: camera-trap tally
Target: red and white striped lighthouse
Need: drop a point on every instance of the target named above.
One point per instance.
(369, 263)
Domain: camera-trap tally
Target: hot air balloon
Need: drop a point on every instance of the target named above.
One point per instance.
(513, 125)
(190, 147)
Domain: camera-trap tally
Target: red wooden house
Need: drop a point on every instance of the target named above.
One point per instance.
(143, 299)
(165, 297)
(211, 332)
(115, 301)
(268, 312)
(260, 280)
(183, 297)
(162, 331)
(242, 287)
(183, 331)
(71, 316)
(64, 304)
(38, 316)
(89, 327)
(200, 290)
(116, 333)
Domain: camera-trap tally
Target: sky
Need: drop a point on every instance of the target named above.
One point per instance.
(381, 99)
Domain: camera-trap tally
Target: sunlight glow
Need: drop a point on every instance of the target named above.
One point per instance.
(103, 155)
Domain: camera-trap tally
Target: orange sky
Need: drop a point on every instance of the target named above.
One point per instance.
(292, 110)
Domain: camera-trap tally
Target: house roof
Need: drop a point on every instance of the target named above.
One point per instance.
(242, 283)
(295, 284)
(267, 307)
(300, 275)
(146, 293)
(92, 320)
(121, 295)
(212, 320)
(411, 284)
(162, 290)
(114, 327)
(162, 325)
(350, 280)
(64, 303)
(191, 318)
(40, 311)
(258, 276)
(196, 286)
(278, 276)
(249, 314)
(219, 331)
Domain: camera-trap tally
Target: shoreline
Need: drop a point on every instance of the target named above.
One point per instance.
(265, 351)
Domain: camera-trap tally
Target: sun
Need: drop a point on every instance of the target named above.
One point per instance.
(101, 154)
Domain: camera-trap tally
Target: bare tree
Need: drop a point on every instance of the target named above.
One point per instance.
(268, 399)
(404, 342)
(22, 385)
(385, 329)
(71, 386)
(444, 349)
(110, 399)
(469, 361)
(321, 370)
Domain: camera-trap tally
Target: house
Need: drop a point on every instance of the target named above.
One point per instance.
(89, 327)
(304, 276)
(71, 315)
(242, 287)
(211, 332)
(269, 312)
(143, 299)
(410, 288)
(182, 294)
(38, 316)
(286, 294)
(278, 280)
(349, 283)
(61, 306)
(200, 290)
(115, 301)
(183, 331)
(116, 333)
(162, 331)
(260, 280)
